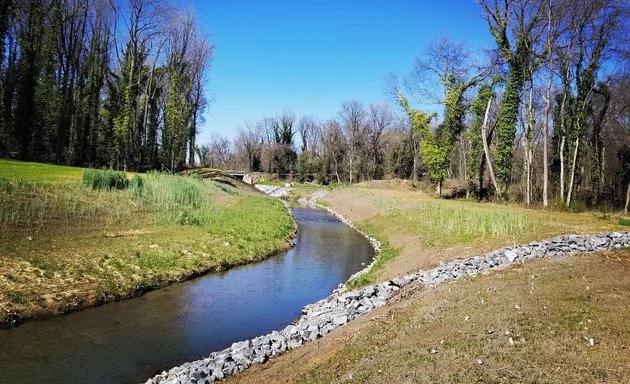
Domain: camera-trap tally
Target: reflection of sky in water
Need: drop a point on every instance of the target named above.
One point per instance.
(133, 339)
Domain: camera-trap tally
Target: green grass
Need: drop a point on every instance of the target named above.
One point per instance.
(90, 237)
(388, 253)
(37, 172)
(440, 225)
(446, 225)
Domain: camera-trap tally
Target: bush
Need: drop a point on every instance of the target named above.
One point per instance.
(104, 179)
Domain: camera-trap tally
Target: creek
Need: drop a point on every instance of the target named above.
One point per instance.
(132, 340)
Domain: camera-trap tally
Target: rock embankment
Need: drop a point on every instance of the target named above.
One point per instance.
(320, 318)
(273, 191)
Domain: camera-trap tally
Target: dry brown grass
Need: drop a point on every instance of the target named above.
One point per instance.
(460, 332)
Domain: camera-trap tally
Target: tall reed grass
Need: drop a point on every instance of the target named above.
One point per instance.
(106, 194)
(444, 222)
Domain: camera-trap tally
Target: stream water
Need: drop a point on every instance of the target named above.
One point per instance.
(132, 340)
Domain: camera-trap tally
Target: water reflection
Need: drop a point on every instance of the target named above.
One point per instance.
(131, 340)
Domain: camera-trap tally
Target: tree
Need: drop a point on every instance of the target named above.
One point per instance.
(516, 27)
(307, 128)
(433, 147)
(334, 146)
(250, 141)
(480, 137)
(380, 118)
(353, 122)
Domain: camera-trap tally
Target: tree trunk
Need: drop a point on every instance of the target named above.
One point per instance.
(529, 130)
(337, 169)
(563, 143)
(486, 149)
(570, 192)
(627, 199)
(414, 176)
(547, 110)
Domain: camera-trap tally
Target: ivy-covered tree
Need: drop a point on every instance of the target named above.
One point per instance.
(476, 158)
(515, 26)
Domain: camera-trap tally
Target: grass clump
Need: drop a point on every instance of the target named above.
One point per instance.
(104, 179)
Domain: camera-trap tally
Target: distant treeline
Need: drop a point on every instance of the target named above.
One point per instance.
(544, 117)
(100, 82)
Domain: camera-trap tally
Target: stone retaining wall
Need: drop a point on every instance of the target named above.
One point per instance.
(320, 318)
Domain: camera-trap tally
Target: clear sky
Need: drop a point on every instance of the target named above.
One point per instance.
(310, 56)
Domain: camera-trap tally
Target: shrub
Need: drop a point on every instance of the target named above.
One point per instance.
(104, 179)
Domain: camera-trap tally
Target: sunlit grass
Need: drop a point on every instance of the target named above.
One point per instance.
(37, 172)
(441, 224)
(434, 230)
(79, 238)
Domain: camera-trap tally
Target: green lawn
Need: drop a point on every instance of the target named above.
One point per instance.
(64, 245)
(37, 172)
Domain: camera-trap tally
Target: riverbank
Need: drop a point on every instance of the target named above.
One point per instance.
(418, 231)
(547, 321)
(492, 327)
(323, 317)
(65, 246)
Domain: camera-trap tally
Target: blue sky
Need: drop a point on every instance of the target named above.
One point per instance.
(310, 56)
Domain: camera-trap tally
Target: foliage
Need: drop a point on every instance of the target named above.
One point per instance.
(306, 167)
(63, 100)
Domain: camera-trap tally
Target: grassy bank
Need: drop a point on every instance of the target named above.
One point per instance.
(419, 231)
(67, 242)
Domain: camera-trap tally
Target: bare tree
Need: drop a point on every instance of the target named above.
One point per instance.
(334, 144)
(381, 118)
(353, 121)
(307, 128)
(221, 152)
(249, 138)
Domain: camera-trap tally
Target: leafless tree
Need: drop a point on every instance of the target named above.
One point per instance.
(307, 128)
(354, 124)
(334, 145)
(381, 118)
(249, 139)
